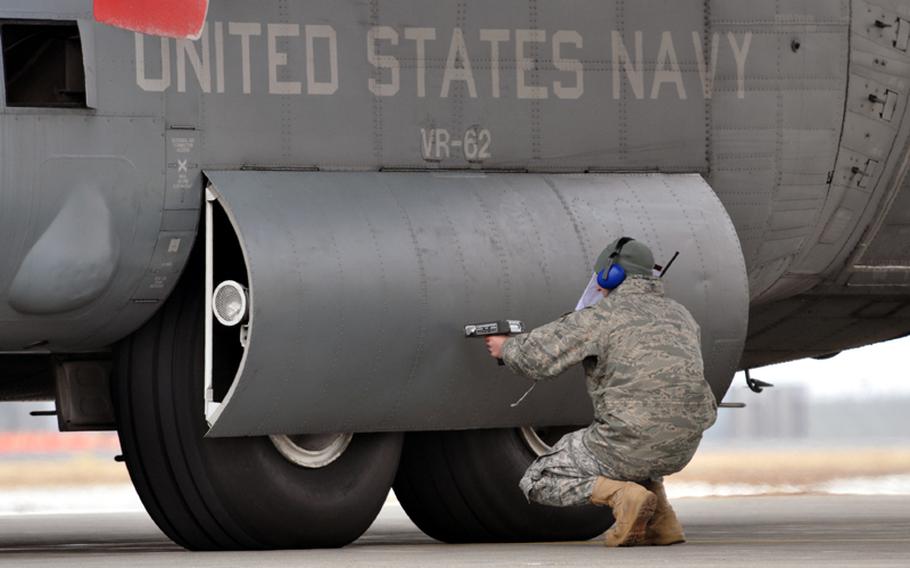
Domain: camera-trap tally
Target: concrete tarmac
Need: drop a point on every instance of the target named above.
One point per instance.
(800, 531)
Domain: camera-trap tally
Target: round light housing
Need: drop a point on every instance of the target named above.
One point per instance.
(229, 303)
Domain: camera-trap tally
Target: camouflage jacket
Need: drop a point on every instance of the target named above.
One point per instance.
(642, 358)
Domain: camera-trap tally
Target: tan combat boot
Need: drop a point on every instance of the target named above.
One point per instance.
(664, 527)
(632, 505)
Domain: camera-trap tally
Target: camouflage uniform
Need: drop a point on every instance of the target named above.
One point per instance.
(642, 359)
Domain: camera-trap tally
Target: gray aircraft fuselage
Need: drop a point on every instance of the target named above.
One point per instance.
(793, 112)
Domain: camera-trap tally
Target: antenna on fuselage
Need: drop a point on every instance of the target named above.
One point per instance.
(669, 264)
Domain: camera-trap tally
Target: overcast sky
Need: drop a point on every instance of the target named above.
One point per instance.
(876, 370)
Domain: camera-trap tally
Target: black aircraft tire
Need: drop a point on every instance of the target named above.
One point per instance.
(463, 487)
(230, 493)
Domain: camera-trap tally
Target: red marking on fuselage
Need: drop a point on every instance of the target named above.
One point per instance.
(172, 18)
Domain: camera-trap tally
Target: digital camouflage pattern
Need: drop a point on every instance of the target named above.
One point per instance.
(565, 475)
(642, 358)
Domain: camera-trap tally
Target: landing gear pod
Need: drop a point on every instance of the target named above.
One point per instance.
(263, 406)
(359, 285)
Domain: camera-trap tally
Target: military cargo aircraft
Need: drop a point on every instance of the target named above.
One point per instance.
(247, 235)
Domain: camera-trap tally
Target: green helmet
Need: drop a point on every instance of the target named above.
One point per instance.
(635, 257)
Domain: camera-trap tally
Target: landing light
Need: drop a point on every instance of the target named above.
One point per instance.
(229, 303)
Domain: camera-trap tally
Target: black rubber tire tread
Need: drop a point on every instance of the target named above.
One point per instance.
(427, 476)
(462, 487)
(229, 493)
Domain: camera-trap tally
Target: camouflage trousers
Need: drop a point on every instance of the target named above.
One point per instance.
(565, 475)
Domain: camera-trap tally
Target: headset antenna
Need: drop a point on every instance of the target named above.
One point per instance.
(669, 264)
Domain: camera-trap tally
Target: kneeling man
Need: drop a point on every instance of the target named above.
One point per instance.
(642, 358)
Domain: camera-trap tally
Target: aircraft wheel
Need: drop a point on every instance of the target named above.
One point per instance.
(234, 493)
(463, 487)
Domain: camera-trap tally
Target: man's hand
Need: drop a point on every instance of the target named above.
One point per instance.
(494, 344)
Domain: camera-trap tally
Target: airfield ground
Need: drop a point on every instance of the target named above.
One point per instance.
(804, 531)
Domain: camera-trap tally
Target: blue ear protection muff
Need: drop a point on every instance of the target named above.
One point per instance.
(613, 275)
